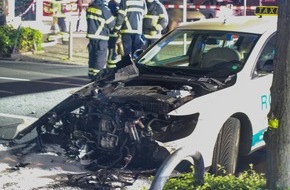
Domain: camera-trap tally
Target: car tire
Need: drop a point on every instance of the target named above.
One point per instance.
(226, 150)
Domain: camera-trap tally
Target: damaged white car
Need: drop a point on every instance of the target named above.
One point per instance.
(203, 87)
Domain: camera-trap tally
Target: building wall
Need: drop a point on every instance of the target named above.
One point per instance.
(33, 15)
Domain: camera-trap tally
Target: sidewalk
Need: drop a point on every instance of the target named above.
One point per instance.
(56, 52)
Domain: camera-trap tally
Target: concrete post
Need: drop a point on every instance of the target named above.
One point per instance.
(70, 52)
(245, 7)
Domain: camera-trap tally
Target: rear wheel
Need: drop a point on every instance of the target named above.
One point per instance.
(226, 149)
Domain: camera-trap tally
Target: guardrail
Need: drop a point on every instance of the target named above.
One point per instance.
(172, 161)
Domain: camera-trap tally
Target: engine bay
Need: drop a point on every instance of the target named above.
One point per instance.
(120, 127)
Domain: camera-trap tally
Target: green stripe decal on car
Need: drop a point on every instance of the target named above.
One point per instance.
(258, 137)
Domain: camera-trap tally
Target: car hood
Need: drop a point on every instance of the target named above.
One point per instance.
(155, 93)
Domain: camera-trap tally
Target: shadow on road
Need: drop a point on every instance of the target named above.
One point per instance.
(36, 86)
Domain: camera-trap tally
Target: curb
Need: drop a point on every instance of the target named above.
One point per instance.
(47, 44)
(55, 52)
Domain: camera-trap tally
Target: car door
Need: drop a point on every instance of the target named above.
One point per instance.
(258, 90)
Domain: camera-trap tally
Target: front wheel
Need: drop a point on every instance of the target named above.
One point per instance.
(226, 150)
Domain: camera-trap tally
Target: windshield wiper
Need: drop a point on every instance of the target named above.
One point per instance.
(212, 81)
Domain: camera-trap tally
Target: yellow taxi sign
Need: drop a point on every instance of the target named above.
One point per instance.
(266, 10)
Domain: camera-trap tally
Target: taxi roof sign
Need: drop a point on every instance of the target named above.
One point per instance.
(266, 10)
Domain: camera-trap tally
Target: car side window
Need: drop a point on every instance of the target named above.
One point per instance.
(172, 51)
(265, 61)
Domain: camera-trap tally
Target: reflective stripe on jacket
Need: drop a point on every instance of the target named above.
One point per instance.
(155, 20)
(130, 16)
(100, 21)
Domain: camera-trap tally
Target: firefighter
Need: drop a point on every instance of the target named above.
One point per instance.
(114, 39)
(175, 15)
(59, 15)
(154, 21)
(100, 21)
(129, 23)
(58, 28)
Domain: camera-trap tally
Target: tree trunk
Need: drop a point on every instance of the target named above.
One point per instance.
(278, 140)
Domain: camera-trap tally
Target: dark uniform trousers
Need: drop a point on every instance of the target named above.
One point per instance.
(131, 43)
(98, 50)
(112, 43)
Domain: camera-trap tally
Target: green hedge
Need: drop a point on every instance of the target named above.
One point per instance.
(19, 40)
(248, 180)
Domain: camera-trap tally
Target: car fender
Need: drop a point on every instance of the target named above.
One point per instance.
(215, 108)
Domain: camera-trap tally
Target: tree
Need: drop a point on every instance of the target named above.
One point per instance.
(278, 137)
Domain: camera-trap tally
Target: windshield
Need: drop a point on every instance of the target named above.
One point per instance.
(201, 50)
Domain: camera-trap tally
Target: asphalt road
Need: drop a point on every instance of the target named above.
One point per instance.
(30, 89)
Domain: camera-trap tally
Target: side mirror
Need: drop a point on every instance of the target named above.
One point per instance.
(137, 53)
